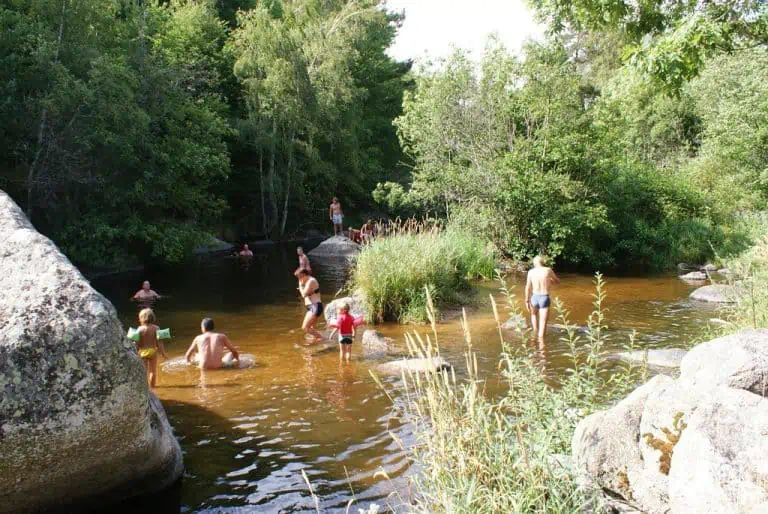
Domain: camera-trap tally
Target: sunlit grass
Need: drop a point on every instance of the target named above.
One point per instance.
(391, 272)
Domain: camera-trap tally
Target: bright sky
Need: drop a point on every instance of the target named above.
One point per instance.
(432, 26)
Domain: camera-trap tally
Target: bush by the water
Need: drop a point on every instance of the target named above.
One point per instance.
(391, 272)
(508, 453)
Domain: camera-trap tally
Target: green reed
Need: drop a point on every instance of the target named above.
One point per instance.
(506, 453)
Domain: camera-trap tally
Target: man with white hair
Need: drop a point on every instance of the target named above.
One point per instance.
(540, 278)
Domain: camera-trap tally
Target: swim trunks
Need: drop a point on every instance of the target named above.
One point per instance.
(540, 301)
(345, 340)
(147, 353)
(337, 218)
(315, 308)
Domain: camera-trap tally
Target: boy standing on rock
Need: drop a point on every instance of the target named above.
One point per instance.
(337, 216)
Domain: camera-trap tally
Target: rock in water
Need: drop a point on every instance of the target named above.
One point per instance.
(716, 293)
(662, 358)
(694, 276)
(517, 323)
(375, 344)
(335, 247)
(356, 308)
(413, 365)
(78, 424)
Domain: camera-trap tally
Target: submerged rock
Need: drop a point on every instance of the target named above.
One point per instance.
(661, 358)
(216, 246)
(425, 365)
(78, 424)
(694, 276)
(374, 343)
(335, 247)
(717, 293)
(695, 444)
(709, 267)
(517, 323)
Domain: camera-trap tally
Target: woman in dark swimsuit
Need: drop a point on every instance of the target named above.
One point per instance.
(309, 288)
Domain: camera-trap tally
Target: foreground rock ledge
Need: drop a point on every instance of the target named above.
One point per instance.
(78, 425)
(692, 445)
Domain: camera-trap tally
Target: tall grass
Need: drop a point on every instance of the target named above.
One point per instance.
(391, 271)
(508, 453)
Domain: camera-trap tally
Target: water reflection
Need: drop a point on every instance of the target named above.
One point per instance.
(248, 433)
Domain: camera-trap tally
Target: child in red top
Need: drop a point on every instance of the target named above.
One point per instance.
(345, 324)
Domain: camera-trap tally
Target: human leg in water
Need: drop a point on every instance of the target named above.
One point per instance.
(309, 326)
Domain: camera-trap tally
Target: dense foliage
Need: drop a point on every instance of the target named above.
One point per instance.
(568, 152)
(137, 129)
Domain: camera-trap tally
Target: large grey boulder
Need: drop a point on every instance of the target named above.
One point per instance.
(78, 424)
(739, 361)
(417, 365)
(720, 463)
(695, 444)
(356, 308)
(717, 293)
(335, 247)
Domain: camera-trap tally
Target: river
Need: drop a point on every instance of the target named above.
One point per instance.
(247, 434)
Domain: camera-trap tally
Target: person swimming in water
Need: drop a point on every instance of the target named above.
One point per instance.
(245, 251)
(537, 301)
(303, 262)
(145, 294)
(210, 347)
(148, 344)
(309, 288)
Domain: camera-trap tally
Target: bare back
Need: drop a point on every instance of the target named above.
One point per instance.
(211, 347)
(540, 279)
(147, 337)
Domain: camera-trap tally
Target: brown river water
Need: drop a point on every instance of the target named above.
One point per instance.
(247, 434)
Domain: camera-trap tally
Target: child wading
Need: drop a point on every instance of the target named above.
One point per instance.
(148, 344)
(345, 324)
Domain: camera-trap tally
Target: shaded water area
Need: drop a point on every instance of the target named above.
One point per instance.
(248, 433)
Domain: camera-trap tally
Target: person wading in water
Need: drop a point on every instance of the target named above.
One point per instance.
(309, 288)
(537, 301)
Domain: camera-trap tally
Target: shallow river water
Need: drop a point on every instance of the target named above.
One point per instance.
(248, 433)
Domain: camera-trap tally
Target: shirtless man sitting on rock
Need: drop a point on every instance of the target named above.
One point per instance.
(540, 278)
(210, 347)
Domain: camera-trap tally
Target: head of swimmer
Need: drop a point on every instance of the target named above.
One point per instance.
(145, 285)
(343, 308)
(206, 325)
(245, 247)
(538, 261)
(146, 316)
(303, 275)
(299, 251)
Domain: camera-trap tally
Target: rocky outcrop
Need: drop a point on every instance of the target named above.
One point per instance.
(695, 444)
(717, 293)
(356, 308)
(425, 365)
(661, 358)
(338, 247)
(516, 323)
(215, 246)
(78, 425)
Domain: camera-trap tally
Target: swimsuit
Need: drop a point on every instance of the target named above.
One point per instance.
(540, 301)
(315, 308)
(147, 353)
(337, 218)
(345, 339)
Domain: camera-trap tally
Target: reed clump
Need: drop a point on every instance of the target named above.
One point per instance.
(392, 270)
(507, 453)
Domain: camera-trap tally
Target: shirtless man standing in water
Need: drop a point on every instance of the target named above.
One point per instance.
(540, 278)
(210, 347)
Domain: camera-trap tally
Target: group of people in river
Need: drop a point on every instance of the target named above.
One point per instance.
(213, 350)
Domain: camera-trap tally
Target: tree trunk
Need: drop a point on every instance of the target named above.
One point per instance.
(31, 175)
(264, 225)
(272, 199)
(287, 187)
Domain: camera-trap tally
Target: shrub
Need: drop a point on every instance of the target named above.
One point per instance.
(391, 272)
